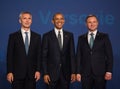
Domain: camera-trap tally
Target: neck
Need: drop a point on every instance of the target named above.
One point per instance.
(26, 29)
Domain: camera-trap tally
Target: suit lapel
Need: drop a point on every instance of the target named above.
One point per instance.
(20, 39)
(65, 38)
(54, 38)
(96, 40)
(86, 40)
(32, 41)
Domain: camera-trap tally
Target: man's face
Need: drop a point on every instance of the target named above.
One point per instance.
(26, 21)
(92, 23)
(58, 21)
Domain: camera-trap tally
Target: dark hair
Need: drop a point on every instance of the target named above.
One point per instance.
(57, 14)
(91, 15)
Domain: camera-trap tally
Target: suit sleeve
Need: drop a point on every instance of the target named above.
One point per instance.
(109, 54)
(44, 54)
(72, 55)
(39, 54)
(78, 56)
(10, 51)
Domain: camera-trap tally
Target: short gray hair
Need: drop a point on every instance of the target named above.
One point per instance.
(24, 12)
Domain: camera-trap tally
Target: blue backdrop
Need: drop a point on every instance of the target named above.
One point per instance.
(75, 12)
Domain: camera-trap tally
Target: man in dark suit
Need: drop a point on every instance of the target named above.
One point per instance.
(58, 55)
(24, 55)
(94, 57)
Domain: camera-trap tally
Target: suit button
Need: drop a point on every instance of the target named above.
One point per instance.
(60, 65)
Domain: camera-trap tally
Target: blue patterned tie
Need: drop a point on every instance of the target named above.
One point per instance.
(91, 40)
(26, 42)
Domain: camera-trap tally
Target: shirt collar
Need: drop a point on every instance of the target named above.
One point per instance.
(23, 31)
(56, 30)
(94, 32)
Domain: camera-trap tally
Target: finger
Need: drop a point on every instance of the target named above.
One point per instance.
(12, 79)
(73, 79)
(49, 79)
(47, 82)
(36, 79)
(9, 79)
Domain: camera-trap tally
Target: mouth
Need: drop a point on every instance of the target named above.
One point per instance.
(27, 23)
(59, 24)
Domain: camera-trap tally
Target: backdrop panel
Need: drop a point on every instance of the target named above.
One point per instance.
(75, 12)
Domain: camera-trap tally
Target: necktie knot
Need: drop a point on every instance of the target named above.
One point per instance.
(91, 34)
(58, 32)
(26, 33)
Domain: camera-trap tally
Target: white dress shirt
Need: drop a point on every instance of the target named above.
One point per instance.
(89, 35)
(24, 35)
(61, 32)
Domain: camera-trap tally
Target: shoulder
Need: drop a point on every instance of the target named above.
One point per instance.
(101, 34)
(14, 33)
(82, 36)
(67, 33)
(48, 33)
(35, 33)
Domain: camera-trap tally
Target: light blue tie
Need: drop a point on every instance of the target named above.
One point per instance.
(26, 42)
(91, 40)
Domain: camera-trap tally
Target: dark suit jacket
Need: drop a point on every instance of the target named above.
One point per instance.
(97, 60)
(20, 63)
(54, 59)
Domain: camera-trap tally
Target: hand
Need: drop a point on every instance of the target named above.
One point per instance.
(10, 77)
(73, 78)
(108, 76)
(78, 77)
(47, 79)
(37, 75)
